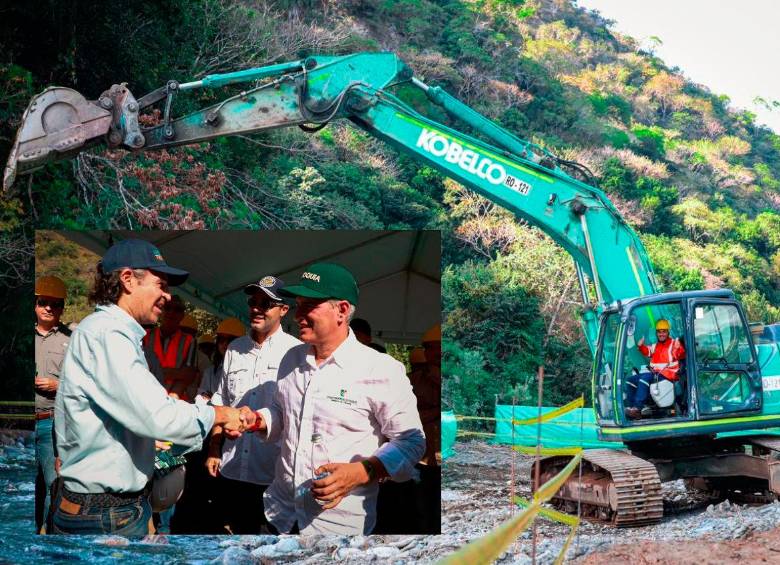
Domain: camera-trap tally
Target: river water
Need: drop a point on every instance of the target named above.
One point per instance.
(19, 543)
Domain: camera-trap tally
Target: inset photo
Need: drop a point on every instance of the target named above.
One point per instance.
(238, 382)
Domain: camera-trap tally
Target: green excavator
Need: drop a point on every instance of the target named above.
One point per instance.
(706, 429)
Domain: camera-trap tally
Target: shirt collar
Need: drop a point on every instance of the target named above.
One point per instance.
(268, 340)
(343, 352)
(121, 316)
(54, 330)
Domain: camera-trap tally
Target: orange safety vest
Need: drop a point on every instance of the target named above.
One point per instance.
(172, 356)
(665, 357)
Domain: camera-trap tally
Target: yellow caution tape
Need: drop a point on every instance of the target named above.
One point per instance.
(18, 416)
(576, 403)
(531, 450)
(562, 555)
(17, 403)
(550, 513)
(488, 548)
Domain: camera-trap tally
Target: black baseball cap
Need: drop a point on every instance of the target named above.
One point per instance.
(268, 284)
(140, 254)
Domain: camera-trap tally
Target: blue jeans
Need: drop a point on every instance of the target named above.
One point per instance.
(638, 389)
(44, 455)
(127, 520)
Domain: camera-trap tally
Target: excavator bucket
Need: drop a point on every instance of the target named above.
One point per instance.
(59, 122)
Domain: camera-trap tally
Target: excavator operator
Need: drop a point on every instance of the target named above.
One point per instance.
(665, 356)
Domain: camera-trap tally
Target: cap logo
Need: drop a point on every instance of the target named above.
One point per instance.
(311, 276)
(268, 281)
(156, 254)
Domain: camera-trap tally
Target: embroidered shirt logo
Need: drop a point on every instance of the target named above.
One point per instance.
(342, 398)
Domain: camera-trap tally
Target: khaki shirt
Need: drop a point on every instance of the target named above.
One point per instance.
(49, 352)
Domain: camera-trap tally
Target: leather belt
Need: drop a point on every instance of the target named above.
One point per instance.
(44, 415)
(101, 499)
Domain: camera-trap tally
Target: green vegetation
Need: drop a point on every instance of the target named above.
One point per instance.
(699, 181)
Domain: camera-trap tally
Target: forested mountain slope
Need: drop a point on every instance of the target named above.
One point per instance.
(698, 180)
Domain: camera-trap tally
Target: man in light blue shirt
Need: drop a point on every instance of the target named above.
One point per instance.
(110, 409)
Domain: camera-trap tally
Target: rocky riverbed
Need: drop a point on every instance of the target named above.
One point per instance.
(476, 488)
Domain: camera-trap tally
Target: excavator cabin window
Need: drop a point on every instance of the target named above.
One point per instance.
(664, 376)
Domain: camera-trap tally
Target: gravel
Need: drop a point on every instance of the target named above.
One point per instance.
(476, 488)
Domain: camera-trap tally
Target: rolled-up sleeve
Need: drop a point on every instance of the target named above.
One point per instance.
(124, 389)
(395, 409)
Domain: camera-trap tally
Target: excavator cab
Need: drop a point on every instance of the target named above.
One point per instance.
(718, 376)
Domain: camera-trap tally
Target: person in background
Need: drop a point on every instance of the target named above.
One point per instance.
(110, 409)
(665, 356)
(206, 347)
(362, 330)
(417, 361)
(51, 341)
(228, 330)
(345, 414)
(427, 388)
(176, 350)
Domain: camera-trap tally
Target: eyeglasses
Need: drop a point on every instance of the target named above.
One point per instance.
(263, 304)
(43, 303)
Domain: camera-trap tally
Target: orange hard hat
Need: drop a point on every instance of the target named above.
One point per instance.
(231, 326)
(189, 322)
(50, 286)
(432, 334)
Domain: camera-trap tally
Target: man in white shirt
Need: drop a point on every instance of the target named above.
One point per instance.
(248, 378)
(356, 401)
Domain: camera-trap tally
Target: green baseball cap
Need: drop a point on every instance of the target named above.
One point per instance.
(325, 280)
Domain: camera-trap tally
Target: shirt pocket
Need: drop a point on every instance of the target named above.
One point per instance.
(54, 362)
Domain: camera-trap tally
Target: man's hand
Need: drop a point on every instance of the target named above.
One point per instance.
(253, 421)
(342, 479)
(212, 466)
(641, 341)
(162, 445)
(230, 420)
(46, 384)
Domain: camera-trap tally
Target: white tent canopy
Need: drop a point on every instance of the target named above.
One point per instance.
(398, 272)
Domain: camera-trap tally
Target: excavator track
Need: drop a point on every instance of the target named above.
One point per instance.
(615, 487)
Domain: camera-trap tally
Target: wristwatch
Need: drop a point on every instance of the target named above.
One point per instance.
(369, 467)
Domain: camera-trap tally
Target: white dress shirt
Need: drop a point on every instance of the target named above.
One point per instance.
(361, 403)
(248, 378)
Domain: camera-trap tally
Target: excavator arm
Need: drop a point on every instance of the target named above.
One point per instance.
(516, 174)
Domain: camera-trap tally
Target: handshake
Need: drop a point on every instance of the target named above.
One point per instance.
(236, 421)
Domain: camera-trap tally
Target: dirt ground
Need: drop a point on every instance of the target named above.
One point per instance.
(476, 488)
(755, 548)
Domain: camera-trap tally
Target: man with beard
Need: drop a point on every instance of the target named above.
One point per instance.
(248, 378)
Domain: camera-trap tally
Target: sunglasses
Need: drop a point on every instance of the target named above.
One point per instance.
(44, 303)
(263, 304)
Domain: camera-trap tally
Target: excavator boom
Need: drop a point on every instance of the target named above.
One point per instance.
(523, 177)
